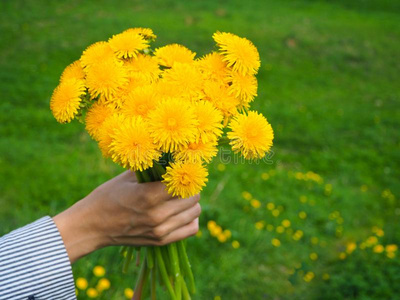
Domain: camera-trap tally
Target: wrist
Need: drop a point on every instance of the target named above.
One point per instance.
(78, 229)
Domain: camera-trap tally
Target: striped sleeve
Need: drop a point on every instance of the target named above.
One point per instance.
(34, 264)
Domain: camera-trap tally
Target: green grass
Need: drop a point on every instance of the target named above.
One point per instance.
(329, 86)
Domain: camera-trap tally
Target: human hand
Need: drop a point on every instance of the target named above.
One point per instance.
(124, 212)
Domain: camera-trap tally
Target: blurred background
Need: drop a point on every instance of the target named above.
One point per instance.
(321, 221)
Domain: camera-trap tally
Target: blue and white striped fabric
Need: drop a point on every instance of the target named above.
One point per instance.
(34, 264)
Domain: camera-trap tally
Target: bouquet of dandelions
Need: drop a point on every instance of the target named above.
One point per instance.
(162, 113)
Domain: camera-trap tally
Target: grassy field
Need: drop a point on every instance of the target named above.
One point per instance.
(312, 224)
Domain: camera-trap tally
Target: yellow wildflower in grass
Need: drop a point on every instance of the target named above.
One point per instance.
(105, 78)
(218, 95)
(372, 240)
(95, 53)
(143, 67)
(243, 87)
(221, 237)
(255, 203)
(302, 215)
(73, 71)
(221, 167)
(314, 240)
(92, 293)
(227, 233)
(270, 227)
(275, 212)
(298, 235)
(270, 206)
(132, 145)
(286, 223)
(378, 249)
(186, 79)
(197, 152)
(216, 231)
(379, 232)
(303, 199)
(81, 283)
(147, 33)
(211, 225)
(342, 255)
(213, 66)
(127, 44)
(170, 54)
(235, 244)
(99, 271)
(265, 176)
(103, 284)
(66, 98)
(313, 256)
(309, 276)
(391, 248)
(173, 124)
(280, 229)
(185, 179)
(391, 254)
(351, 247)
(259, 225)
(246, 195)
(276, 242)
(210, 121)
(95, 117)
(251, 135)
(140, 102)
(325, 276)
(128, 292)
(239, 53)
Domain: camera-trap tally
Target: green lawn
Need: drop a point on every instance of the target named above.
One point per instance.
(329, 86)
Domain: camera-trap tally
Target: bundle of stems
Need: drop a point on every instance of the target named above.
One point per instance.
(168, 264)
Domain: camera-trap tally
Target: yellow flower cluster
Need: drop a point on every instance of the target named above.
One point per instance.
(221, 235)
(140, 104)
(102, 284)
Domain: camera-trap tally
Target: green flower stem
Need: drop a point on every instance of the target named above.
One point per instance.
(140, 283)
(184, 260)
(185, 292)
(150, 257)
(173, 254)
(128, 259)
(123, 250)
(153, 281)
(159, 169)
(139, 176)
(146, 176)
(223, 141)
(160, 263)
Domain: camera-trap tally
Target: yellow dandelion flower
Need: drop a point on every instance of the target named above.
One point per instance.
(139, 102)
(221, 238)
(235, 244)
(197, 152)
(313, 256)
(308, 276)
(391, 254)
(265, 176)
(325, 276)
(239, 53)
(128, 292)
(185, 179)
(173, 124)
(147, 33)
(391, 248)
(227, 233)
(255, 203)
(213, 66)
(210, 121)
(217, 230)
(106, 132)
(218, 95)
(298, 235)
(302, 215)
(221, 167)
(92, 293)
(186, 79)
(251, 135)
(351, 247)
(95, 118)
(103, 284)
(96, 53)
(81, 283)
(276, 242)
(270, 206)
(105, 78)
(342, 255)
(372, 240)
(132, 145)
(259, 225)
(286, 223)
(314, 240)
(170, 54)
(143, 66)
(243, 87)
(99, 271)
(127, 44)
(74, 70)
(270, 227)
(211, 225)
(66, 98)
(378, 249)
(280, 229)
(123, 91)
(246, 195)
(275, 212)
